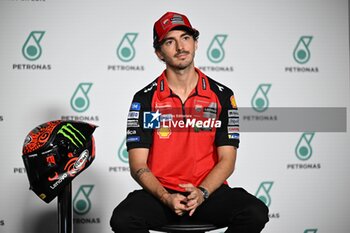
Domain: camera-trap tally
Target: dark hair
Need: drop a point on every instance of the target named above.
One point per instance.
(194, 33)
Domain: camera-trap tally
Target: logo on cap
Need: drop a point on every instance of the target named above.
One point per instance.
(176, 19)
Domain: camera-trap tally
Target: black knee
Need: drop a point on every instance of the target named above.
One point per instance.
(119, 221)
(259, 214)
(115, 220)
(125, 220)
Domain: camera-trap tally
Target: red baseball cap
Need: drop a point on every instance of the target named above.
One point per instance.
(169, 21)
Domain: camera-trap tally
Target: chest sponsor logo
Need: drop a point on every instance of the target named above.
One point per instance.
(164, 132)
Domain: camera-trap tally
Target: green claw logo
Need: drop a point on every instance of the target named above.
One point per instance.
(31, 49)
(72, 134)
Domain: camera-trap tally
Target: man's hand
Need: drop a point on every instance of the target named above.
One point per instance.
(176, 202)
(194, 199)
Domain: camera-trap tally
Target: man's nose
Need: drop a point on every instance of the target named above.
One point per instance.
(179, 45)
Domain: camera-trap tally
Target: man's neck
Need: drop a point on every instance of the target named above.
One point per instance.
(182, 82)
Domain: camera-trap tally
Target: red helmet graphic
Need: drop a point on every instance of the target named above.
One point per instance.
(54, 153)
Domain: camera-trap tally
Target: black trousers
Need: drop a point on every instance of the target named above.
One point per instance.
(232, 207)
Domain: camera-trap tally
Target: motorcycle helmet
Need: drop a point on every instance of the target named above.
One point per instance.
(54, 153)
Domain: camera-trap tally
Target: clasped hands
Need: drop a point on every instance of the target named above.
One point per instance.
(182, 204)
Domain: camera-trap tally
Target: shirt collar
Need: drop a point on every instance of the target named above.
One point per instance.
(202, 88)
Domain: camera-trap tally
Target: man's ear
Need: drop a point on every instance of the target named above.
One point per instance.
(159, 54)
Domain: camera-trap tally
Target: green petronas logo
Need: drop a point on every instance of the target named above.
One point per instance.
(303, 150)
(260, 101)
(81, 201)
(31, 49)
(123, 153)
(71, 133)
(310, 231)
(301, 51)
(263, 192)
(126, 51)
(80, 101)
(216, 52)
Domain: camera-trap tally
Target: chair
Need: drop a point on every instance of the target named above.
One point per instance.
(187, 225)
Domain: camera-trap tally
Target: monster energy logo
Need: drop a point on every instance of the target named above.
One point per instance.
(72, 134)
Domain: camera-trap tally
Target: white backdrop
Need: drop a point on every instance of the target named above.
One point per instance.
(76, 65)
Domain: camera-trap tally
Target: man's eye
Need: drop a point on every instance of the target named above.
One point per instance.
(168, 42)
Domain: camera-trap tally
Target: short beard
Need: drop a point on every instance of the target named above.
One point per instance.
(181, 66)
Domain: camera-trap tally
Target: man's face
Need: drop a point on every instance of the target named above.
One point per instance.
(178, 49)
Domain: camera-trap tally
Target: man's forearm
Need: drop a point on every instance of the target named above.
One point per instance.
(222, 170)
(148, 181)
(142, 174)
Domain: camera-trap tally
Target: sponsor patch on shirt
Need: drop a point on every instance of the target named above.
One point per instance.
(135, 106)
(133, 124)
(233, 136)
(231, 129)
(233, 102)
(233, 121)
(133, 115)
(131, 132)
(133, 139)
(232, 113)
(164, 132)
(210, 111)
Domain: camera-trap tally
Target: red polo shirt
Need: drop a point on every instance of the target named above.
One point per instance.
(184, 139)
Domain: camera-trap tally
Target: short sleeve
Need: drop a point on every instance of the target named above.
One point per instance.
(228, 133)
(137, 136)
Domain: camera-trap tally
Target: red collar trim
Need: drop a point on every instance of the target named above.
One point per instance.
(202, 88)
